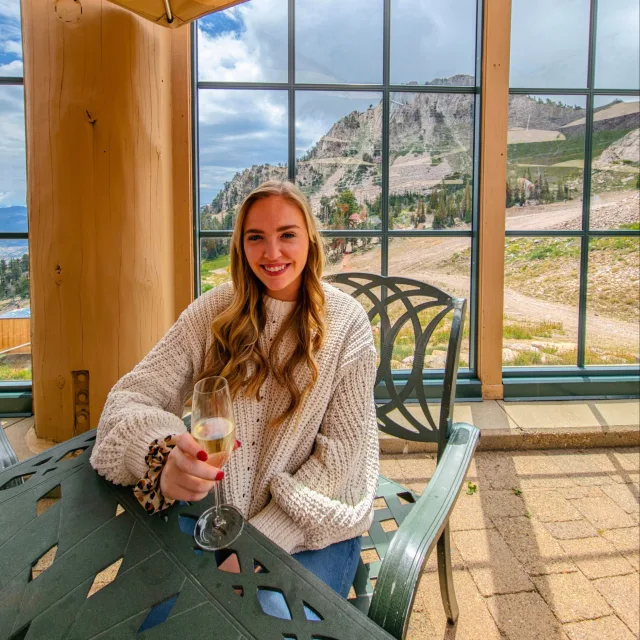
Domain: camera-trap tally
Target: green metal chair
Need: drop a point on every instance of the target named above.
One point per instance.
(386, 589)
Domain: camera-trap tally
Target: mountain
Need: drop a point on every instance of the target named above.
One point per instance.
(13, 219)
(431, 149)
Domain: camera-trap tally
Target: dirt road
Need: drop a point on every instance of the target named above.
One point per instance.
(430, 259)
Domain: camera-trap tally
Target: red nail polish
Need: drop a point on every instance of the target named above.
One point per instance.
(238, 444)
(220, 475)
(202, 455)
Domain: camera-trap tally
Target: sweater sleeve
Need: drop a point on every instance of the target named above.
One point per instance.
(330, 497)
(147, 403)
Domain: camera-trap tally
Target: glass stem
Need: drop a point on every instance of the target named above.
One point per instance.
(218, 519)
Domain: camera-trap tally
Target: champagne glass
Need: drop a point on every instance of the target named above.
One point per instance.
(214, 429)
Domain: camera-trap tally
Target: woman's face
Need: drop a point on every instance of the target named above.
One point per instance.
(276, 244)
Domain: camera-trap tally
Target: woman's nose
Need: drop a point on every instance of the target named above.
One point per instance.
(272, 251)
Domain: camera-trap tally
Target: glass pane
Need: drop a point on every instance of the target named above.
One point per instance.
(542, 290)
(431, 160)
(339, 156)
(246, 43)
(613, 301)
(243, 140)
(352, 254)
(617, 45)
(545, 162)
(615, 175)
(444, 263)
(339, 42)
(433, 42)
(214, 262)
(15, 312)
(11, 40)
(13, 212)
(549, 44)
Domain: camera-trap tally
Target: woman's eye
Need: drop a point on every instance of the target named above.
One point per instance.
(289, 235)
(253, 238)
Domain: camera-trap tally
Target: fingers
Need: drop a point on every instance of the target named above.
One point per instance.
(188, 445)
(193, 467)
(193, 485)
(178, 493)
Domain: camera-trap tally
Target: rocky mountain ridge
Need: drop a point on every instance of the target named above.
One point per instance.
(431, 143)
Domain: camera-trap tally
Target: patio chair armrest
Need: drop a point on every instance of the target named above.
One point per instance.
(414, 541)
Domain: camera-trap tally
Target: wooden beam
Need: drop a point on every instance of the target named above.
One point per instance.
(493, 177)
(182, 168)
(100, 121)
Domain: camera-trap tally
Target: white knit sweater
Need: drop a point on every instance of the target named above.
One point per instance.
(307, 485)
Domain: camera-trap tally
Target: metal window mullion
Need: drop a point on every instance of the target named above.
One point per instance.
(586, 189)
(555, 91)
(474, 274)
(386, 102)
(367, 88)
(291, 153)
(195, 157)
(14, 235)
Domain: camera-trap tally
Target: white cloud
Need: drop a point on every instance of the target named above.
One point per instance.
(12, 69)
(251, 48)
(618, 45)
(10, 9)
(340, 42)
(12, 146)
(12, 47)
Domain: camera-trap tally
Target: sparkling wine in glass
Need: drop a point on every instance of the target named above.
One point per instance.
(213, 427)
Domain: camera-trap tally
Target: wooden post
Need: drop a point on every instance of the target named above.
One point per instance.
(182, 133)
(493, 177)
(101, 117)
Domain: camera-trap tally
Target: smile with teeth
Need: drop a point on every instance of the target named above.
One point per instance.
(274, 269)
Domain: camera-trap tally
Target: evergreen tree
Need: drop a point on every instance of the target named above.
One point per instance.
(545, 192)
(537, 188)
(440, 217)
(467, 203)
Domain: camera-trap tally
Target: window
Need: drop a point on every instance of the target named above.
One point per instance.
(15, 347)
(378, 129)
(572, 195)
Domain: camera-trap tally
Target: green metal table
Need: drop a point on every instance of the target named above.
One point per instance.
(165, 587)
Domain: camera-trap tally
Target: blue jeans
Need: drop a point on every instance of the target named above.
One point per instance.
(335, 565)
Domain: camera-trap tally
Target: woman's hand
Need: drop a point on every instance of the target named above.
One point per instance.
(186, 474)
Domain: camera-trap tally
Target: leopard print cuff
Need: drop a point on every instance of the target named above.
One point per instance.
(147, 490)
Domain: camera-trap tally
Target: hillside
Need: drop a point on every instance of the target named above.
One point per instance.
(431, 137)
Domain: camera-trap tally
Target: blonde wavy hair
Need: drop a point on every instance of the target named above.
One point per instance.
(235, 352)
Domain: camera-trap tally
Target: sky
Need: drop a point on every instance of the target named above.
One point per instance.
(338, 42)
(12, 149)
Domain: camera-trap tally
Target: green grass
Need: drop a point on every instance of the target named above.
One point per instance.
(9, 373)
(207, 266)
(622, 246)
(526, 250)
(556, 151)
(531, 330)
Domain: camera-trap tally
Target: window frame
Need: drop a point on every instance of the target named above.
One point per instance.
(469, 384)
(15, 396)
(585, 381)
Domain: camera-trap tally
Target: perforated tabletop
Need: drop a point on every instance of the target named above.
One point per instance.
(79, 558)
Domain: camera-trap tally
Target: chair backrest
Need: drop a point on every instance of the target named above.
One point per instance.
(405, 312)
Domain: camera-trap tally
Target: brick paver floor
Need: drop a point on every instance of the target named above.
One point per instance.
(546, 548)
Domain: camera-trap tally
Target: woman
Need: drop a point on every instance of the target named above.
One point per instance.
(300, 361)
